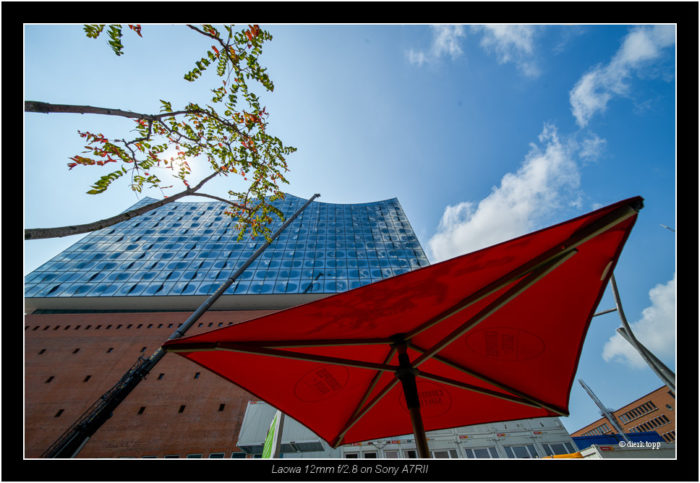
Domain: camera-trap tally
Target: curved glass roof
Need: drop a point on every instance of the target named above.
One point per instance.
(190, 248)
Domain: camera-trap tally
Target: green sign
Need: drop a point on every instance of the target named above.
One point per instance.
(270, 439)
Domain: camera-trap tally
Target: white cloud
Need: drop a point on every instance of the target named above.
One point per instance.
(594, 90)
(592, 148)
(417, 57)
(511, 43)
(656, 329)
(446, 41)
(546, 181)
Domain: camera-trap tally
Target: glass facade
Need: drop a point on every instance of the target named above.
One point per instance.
(186, 248)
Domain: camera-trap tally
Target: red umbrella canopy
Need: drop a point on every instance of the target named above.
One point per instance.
(493, 335)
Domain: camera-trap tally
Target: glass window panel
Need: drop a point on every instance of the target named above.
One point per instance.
(558, 448)
(481, 453)
(242, 287)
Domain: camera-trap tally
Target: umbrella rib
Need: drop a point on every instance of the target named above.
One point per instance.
(579, 237)
(317, 343)
(499, 385)
(369, 390)
(365, 410)
(373, 383)
(501, 301)
(257, 350)
(481, 390)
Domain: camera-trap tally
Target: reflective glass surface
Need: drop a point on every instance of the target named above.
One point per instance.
(191, 249)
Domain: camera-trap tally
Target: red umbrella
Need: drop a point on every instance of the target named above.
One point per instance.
(493, 335)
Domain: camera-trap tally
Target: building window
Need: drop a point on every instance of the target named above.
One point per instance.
(527, 451)
(221, 407)
(351, 455)
(217, 455)
(76, 350)
(143, 349)
(172, 455)
(557, 448)
(42, 351)
(49, 379)
(60, 411)
(238, 454)
(481, 452)
(393, 454)
(194, 455)
(182, 409)
(160, 376)
(87, 378)
(196, 375)
(446, 453)
(110, 349)
(141, 410)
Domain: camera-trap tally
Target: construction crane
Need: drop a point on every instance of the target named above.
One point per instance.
(605, 412)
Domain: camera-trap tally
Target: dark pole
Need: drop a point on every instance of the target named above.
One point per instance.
(72, 441)
(407, 375)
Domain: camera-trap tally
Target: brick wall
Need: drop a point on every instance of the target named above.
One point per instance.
(179, 409)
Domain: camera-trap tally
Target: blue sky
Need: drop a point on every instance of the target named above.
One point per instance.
(483, 133)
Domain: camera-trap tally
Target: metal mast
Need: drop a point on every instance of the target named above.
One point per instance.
(661, 370)
(69, 444)
(605, 412)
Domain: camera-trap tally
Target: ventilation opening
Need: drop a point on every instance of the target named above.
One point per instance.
(182, 409)
(60, 411)
(141, 410)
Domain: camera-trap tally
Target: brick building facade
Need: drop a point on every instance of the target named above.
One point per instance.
(653, 412)
(117, 294)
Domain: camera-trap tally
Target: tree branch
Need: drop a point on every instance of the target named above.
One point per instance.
(235, 205)
(39, 233)
(46, 108)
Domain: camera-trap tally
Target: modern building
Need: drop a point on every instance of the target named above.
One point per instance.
(525, 438)
(652, 412)
(111, 299)
(116, 295)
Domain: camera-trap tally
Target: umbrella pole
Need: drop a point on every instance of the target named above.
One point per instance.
(407, 375)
